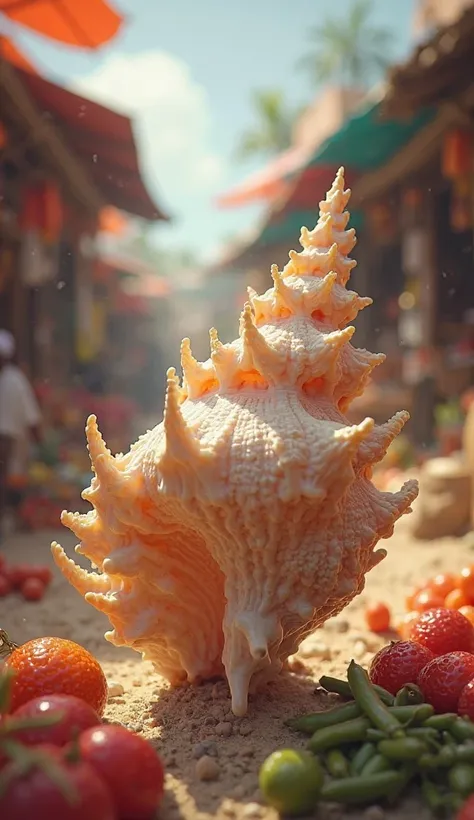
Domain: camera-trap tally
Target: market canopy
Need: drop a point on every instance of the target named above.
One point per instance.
(83, 23)
(365, 142)
(268, 183)
(102, 139)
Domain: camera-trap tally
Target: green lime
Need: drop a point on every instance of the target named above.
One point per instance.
(290, 781)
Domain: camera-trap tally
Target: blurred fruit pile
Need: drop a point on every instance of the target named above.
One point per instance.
(57, 758)
(450, 590)
(61, 469)
(29, 580)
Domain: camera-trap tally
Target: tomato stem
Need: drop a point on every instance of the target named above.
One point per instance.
(6, 644)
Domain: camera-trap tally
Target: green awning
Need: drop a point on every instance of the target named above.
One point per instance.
(366, 142)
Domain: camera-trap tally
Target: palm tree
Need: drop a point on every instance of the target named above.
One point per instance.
(348, 50)
(272, 133)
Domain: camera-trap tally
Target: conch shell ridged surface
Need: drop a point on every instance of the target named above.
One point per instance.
(247, 517)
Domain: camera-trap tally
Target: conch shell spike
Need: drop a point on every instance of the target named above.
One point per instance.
(288, 297)
(215, 342)
(79, 578)
(95, 442)
(339, 338)
(258, 352)
(374, 449)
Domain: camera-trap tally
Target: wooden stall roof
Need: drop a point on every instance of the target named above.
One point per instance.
(102, 139)
(438, 70)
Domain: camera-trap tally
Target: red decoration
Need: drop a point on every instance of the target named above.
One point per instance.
(3, 136)
(30, 212)
(412, 198)
(457, 157)
(42, 210)
(52, 211)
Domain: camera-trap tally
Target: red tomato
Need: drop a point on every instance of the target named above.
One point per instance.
(74, 716)
(41, 572)
(466, 584)
(32, 589)
(455, 600)
(35, 793)
(443, 584)
(427, 599)
(129, 766)
(16, 574)
(377, 617)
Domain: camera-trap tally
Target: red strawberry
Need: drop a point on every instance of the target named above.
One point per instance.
(443, 679)
(466, 701)
(74, 714)
(443, 631)
(466, 812)
(399, 663)
(129, 766)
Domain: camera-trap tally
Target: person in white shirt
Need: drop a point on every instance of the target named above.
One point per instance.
(20, 417)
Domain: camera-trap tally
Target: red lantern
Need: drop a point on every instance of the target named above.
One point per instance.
(457, 153)
(30, 212)
(53, 212)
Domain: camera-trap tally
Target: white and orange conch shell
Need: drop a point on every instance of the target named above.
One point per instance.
(247, 517)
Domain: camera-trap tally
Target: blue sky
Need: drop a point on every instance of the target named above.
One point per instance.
(184, 70)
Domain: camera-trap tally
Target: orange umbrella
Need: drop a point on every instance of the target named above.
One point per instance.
(83, 23)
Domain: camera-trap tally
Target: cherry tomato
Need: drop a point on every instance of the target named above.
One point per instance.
(377, 617)
(32, 589)
(427, 599)
(443, 584)
(455, 600)
(466, 584)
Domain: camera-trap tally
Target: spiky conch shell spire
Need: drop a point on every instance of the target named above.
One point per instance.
(247, 517)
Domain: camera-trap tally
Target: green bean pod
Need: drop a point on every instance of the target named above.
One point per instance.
(408, 771)
(353, 790)
(362, 757)
(430, 762)
(422, 732)
(309, 724)
(429, 736)
(369, 701)
(353, 731)
(377, 764)
(375, 735)
(337, 764)
(342, 688)
(461, 778)
(464, 753)
(413, 715)
(408, 695)
(433, 799)
(448, 755)
(440, 722)
(403, 748)
(462, 729)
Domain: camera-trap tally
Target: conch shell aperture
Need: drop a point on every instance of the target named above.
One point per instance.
(247, 517)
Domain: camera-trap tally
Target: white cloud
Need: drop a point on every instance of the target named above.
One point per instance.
(172, 120)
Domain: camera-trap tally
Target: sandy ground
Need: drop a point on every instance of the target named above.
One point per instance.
(184, 724)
